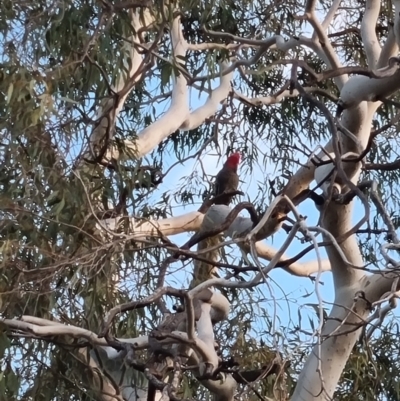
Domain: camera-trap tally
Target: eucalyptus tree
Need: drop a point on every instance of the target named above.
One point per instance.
(102, 103)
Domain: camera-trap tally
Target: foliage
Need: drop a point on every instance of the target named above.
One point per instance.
(58, 63)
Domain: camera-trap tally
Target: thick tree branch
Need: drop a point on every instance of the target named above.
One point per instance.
(192, 221)
(141, 228)
(178, 116)
(44, 328)
(110, 108)
(361, 88)
(395, 165)
(389, 49)
(368, 33)
(331, 14)
(375, 286)
(198, 116)
(178, 112)
(396, 26)
(278, 97)
(326, 52)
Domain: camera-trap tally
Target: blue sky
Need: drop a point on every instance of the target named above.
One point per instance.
(296, 290)
(299, 290)
(293, 292)
(290, 292)
(289, 285)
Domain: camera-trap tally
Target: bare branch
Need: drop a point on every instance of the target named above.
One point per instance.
(217, 95)
(46, 328)
(326, 52)
(112, 313)
(331, 14)
(368, 33)
(396, 26)
(178, 112)
(394, 165)
(389, 49)
(110, 108)
(279, 96)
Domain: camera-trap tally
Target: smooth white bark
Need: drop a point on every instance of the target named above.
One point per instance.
(178, 112)
(210, 107)
(336, 339)
(142, 229)
(273, 99)
(320, 375)
(44, 327)
(368, 33)
(360, 98)
(224, 388)
(109, 111)
(396, 27)
(324, 173)
(391, 47)
(331, 14)
(320, 38)
(361, 88)
(327, 360)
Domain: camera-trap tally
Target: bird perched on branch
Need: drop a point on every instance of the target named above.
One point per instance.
(226, 184)
(227, 180)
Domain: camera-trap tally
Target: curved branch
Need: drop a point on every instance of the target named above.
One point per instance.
(327, 53)
(279, 96)
(109, 110)
(178, 116)
(389, 49)
(47, 328)
(396, 26)
(368, 33)
(376, 285)
(361, 88)
(178, 112)
(141, 228)
(331, 14)
(210, 107)
(112, 313)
